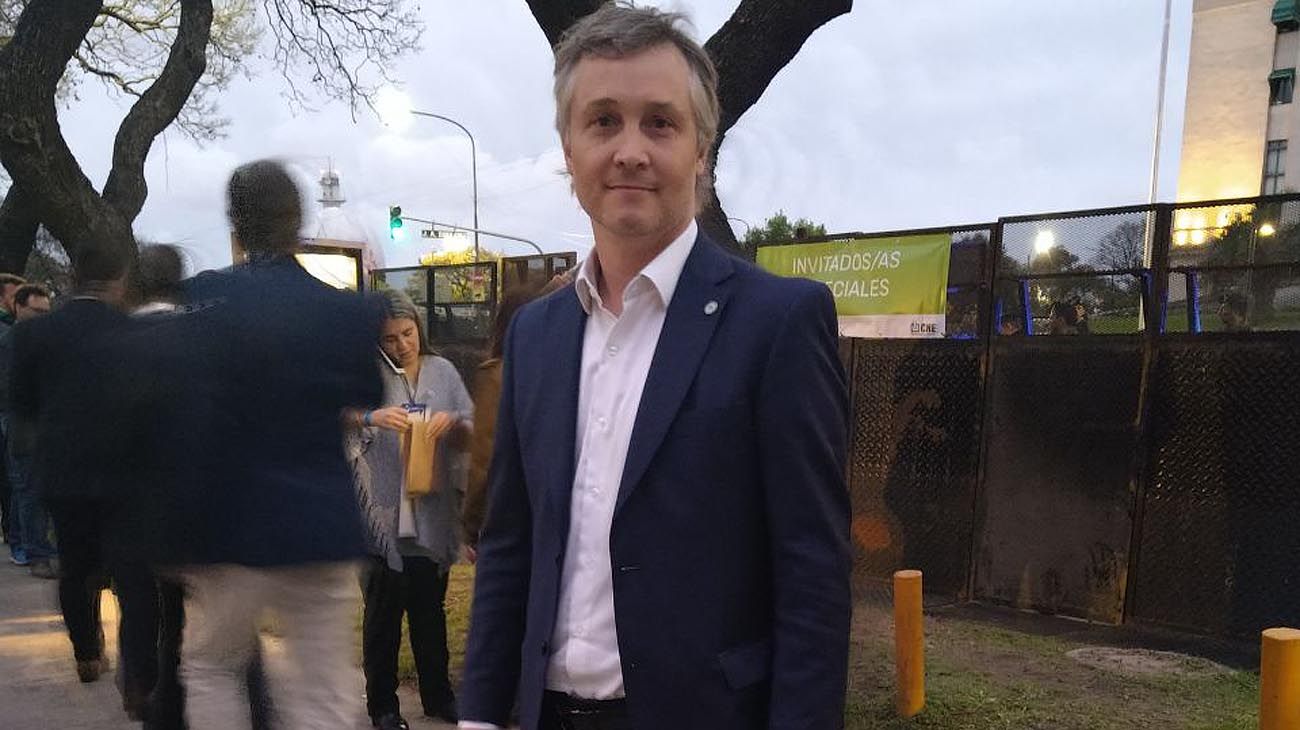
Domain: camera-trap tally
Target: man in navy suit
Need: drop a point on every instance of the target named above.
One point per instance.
(666, 544)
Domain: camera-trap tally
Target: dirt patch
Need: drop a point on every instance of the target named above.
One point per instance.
(1145, 662)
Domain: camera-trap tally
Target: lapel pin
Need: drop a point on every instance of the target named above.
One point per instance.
(711, 307)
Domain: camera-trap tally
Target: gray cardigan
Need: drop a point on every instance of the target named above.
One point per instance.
(377, 465)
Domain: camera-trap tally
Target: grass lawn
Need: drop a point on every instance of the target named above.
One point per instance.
(988, 677)
(982, 677)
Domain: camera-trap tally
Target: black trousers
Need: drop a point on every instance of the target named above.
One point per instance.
(167, 706)
(419, 591)
(81, 526)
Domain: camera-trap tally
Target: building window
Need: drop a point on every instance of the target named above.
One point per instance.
(1286, 15)
(1281, 85)
(1274, 167)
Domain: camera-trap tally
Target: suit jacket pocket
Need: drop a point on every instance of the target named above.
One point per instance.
(747, 664)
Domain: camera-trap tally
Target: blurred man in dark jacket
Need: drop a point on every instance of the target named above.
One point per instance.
(59, 391)
(271, 519)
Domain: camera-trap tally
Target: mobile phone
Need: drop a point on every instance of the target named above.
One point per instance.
(389, 360)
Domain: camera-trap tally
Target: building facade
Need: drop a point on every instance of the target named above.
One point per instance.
(1241, 124)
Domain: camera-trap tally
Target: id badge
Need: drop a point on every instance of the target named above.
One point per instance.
(417, 411)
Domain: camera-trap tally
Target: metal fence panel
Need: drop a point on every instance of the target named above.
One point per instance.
(914, 463)
(1054, 519)
(1222, 502)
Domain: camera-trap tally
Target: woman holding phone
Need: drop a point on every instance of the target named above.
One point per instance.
(414, 537)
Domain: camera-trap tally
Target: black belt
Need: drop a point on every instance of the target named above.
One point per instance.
(576, 713)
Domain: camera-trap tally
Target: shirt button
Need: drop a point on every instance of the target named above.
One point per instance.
(613, 350)
(602, 423)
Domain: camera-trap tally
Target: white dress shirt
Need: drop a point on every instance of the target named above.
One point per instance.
(616, 356)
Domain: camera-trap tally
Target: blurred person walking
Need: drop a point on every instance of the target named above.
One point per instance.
(60, 395)
(271, 522)
(31, 523)
(9, 284)
(156, 379)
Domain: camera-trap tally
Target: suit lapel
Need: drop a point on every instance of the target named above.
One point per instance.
(563, 353)
(693, 314)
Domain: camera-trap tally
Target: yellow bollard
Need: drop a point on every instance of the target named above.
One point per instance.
(1279, 680)
(909, 643)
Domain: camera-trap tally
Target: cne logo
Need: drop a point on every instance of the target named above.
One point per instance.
(925, 328)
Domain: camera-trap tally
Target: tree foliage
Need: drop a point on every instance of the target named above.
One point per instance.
(172, 58)
(780, 228)
(1241, 243)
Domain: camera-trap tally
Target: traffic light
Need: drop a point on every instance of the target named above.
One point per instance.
(395, 231)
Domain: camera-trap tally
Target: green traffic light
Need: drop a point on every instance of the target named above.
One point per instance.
(395, 222)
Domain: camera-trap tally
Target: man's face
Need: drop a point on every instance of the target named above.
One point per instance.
(35, 307)
(631, 143)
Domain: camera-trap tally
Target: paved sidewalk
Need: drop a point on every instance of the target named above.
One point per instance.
(38, 682)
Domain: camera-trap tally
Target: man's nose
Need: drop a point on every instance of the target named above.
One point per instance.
(631, 150)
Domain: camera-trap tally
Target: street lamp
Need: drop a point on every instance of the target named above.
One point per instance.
(394, 108)
(1044, 242)
(741, 220)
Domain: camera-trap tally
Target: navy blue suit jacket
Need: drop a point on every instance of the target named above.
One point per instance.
(240, 400)
(729, 543)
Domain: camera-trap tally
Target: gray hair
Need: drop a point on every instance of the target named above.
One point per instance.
(397, 304)
(620, 29)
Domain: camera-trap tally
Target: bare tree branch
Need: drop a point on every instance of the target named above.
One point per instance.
(172, 57)
(157, 108)
(556, 16)
(18, 226)
(759, 40)
(345, 46)
(32, 147)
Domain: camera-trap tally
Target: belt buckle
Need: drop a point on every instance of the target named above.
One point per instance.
(574, 718)
(579, 718)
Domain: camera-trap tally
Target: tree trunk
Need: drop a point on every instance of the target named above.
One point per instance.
(18, 226)
(157, 108)
(555, 16)
(32, 148)
(759, 39)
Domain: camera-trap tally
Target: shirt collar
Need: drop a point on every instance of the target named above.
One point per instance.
(662, 273)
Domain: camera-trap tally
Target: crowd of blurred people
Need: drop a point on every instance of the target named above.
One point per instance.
(232, 446)
(178, 441)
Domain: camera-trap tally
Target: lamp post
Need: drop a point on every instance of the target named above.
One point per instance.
(473, 151)
(394, 108)
(741, 220)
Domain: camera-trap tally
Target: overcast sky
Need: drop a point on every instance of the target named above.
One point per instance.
(898, 115)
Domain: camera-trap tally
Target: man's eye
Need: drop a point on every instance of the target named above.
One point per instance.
(662, 123)
(604, 120)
